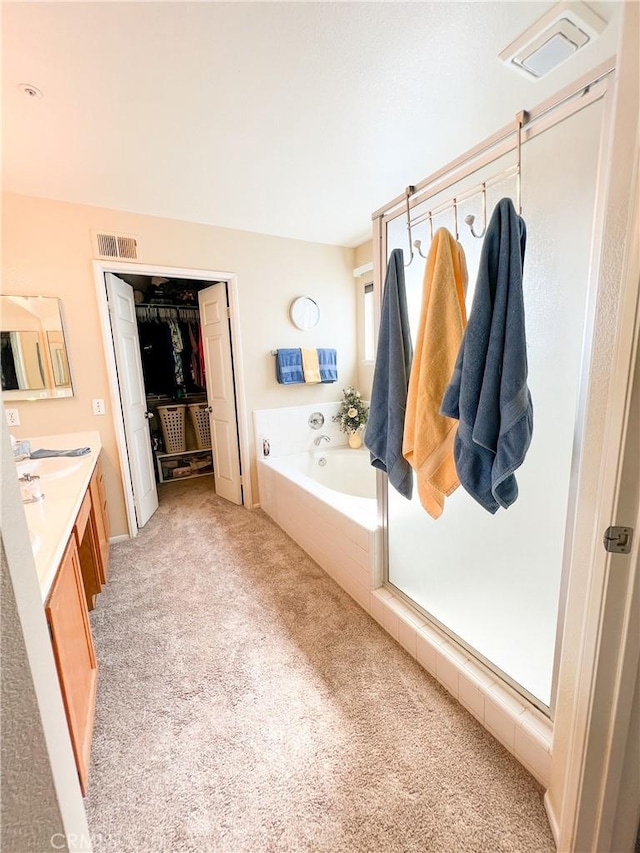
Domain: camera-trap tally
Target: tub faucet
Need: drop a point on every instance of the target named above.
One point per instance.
(319, 438)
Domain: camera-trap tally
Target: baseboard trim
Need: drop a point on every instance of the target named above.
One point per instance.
(113, 540)
(552, 818)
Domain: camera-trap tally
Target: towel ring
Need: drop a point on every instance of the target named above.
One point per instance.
(470, 219)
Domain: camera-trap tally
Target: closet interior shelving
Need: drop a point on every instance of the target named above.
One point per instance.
(192, 462)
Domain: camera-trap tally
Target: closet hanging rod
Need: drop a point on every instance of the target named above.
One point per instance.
(503, 175)
(580, 88)
(162, 305)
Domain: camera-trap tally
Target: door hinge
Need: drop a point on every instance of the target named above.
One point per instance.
(618, 540)
(229, 313)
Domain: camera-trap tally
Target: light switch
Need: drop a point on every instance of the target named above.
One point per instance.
(98, 407)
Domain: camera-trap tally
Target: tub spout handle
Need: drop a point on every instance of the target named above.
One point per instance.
(320, 438)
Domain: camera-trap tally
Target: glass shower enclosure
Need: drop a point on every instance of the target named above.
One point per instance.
(493, 582)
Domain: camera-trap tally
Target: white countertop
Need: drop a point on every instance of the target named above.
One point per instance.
(51, 520)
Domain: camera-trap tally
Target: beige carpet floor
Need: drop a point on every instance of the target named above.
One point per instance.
(246, 703)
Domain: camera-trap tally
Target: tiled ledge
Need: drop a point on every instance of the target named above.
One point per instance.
(520, 727)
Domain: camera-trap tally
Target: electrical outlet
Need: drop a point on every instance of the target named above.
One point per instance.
(98, 407)
(13, 417)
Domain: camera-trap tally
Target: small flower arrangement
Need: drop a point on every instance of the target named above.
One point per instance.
(353, 412)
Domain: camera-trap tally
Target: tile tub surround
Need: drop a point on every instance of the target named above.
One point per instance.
(288, 431)
(346, 546)
(352, 555)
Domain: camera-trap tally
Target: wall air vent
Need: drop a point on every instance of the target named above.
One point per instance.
(116, 246)
(552, 39)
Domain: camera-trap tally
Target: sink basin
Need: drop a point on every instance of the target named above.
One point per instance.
(50, 468)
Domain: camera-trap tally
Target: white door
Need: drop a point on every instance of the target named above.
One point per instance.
(132, 393)
(216, 337)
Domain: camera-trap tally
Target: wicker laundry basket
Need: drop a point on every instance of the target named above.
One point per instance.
(172, 423)
(199, 414)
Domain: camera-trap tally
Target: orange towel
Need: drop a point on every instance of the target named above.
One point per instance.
(310, 365)
(428, 435)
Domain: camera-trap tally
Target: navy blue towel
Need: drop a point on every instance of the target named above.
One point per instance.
(385, 427)
(328, 362)
(488, 391)
(289, 366)
(45, 454)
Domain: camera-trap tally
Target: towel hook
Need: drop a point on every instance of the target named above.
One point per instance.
(418, 245)
(470, 219)
(407, 193)
(521, 119)
(455, 216)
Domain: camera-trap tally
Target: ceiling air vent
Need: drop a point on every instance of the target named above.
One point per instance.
(116, 246)
(552, 39)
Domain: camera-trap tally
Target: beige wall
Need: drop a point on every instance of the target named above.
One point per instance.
(363, 254)
(48, 250)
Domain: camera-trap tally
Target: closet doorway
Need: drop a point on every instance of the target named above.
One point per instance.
(176, 391)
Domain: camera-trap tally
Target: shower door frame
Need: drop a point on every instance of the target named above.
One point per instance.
(587, 90)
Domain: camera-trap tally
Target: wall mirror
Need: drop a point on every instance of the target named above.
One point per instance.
(304, 313)
(33, 354)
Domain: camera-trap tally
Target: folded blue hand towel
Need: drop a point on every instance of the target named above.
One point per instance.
(385, 427)
(488, 391)
(328, 361)
(44, 454)
(289, 366)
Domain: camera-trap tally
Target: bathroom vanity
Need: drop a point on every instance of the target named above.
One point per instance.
(69, 532)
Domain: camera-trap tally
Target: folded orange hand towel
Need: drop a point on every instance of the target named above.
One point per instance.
(428, 435)
(310, 365)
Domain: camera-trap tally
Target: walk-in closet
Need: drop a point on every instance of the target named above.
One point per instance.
(174, 373)
(173, 380)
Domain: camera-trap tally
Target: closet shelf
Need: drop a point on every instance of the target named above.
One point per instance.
(184, 464)
(161, 455)
(175, 401)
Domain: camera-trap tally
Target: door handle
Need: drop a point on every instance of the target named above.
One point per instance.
(148, 415)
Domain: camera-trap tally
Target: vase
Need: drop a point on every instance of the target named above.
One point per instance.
(354, 439)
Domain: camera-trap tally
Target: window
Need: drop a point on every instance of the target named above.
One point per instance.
(369, 326)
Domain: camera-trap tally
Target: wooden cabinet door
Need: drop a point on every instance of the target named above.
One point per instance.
(68, 618)
(100, 518)
(88, 551)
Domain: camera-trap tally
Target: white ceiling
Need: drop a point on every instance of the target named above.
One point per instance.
(295, 119)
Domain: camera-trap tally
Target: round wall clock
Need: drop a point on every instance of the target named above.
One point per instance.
(304, 313)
